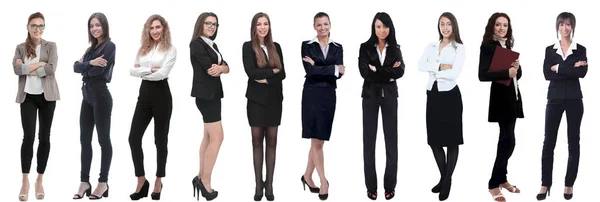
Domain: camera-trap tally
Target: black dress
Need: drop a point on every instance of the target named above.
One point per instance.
(318, 95)
(444, 117)
(264, 106)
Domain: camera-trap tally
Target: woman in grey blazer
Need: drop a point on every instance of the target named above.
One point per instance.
(35, 63)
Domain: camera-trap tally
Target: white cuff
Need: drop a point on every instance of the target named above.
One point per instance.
(337, 71)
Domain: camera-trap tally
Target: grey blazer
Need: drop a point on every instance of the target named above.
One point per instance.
(46, 73)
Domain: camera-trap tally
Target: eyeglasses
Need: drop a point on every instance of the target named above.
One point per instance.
(210, 24)
(34, 26)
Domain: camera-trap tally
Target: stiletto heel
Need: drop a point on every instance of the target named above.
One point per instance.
(257, 196)
(142, 193)
(104, 194)
(155, 195)
(569, 196)
(312, 189)
(199, 186)
(87, 192)
(542, 196)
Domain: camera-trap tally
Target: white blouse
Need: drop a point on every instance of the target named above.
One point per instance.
(452, 54)
(33, 84)
(154, 58)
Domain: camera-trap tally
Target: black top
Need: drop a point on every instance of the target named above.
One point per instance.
(203, 57)
(96, 73)
(504, 105)
(322, 74)
(565, 83)
(383, 80)
(260, 92)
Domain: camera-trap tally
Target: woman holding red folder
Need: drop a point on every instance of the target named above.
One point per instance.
(505, 101)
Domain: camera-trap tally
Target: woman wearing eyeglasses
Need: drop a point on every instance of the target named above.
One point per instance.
(35, 63)
(208, 66)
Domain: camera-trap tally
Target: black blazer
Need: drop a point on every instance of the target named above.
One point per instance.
(322, 74)
(565, 83)
(504, 105)
(378, 82)
(202, 56)
(259, 92)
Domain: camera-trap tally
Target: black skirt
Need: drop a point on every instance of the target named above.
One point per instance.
(318, 109)
(264, 115)
(444, 117)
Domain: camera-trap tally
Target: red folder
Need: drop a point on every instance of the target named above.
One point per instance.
(502, 59)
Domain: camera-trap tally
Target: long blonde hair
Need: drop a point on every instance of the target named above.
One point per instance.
(147, 41)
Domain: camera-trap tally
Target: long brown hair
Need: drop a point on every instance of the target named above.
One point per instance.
(148, 43)
(489, 30)
(105, 32)
(455, 36)
(273, 60)
(199, 27)
(29, 44)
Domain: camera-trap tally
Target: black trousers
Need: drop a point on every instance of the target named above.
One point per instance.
(30, 108)
(389, 113)
(154, 101)
(554, 112)
(506, 146)
(96, 109)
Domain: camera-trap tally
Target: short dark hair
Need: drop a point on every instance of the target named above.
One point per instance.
(565, 17)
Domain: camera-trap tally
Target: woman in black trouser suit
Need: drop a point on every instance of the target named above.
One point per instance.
(96, 67)
(565, 62)
(505, 101)
(154, 61)
(380, 90)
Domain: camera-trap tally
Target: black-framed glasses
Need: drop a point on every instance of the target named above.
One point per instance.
(210, 24)
(40, 27)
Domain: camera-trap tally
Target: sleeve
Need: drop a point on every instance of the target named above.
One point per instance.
(50, 67)
(108, 53)
(425, 65)
(279, 76)
(20, 69)
(569, 70)
(165, 69)
(140, 71)
(398, 72)
(457, 65)
(316, 70)
(485, 60)
(250, 67)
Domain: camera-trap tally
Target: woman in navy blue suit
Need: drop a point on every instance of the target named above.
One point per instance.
(323, 62)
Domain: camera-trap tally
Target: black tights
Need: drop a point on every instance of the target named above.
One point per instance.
(259, 134)
(445, 165)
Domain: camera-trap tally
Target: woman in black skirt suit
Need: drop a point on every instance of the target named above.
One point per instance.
(505, 101)
(263, 63)
(209, 66)
(380, 63)
(443, 61)
(323, 62)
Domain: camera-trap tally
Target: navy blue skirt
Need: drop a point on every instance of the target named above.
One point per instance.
(318, 109)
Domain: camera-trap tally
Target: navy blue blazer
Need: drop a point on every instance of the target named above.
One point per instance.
(565, 83)
(322, 74)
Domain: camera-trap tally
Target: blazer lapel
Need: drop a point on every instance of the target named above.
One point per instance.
(331, 52)
(44, 51)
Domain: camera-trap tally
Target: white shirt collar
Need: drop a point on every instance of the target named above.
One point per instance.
(559, 51)
(316, 39)
(207, 40)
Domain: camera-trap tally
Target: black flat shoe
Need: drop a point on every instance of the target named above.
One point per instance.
(258, 196)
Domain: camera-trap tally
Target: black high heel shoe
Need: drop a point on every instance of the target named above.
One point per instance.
(200, 189)
(105, 194)
(87, 192)
(312, 189)
(372, 195)
(156, 195)
(258, 196)
(569, 196)
(390, 194)
(324, 196)
(270, 197)
(542, 196)
(142, 193)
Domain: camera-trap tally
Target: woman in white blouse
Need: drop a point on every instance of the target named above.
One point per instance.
(154, 61)
(443, 61)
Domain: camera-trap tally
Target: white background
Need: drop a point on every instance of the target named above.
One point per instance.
(66, 24)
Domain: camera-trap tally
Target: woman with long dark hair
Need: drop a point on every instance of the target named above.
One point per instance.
(263, 63)
(506, 104)
(96, 68)
(380, 63)
(443, 61)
